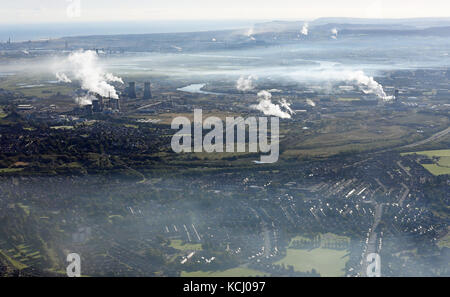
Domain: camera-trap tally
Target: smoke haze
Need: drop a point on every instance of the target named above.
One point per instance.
(245, 84)
(85, 68)
(266, 106)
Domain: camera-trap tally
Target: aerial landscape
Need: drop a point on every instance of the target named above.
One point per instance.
(358, 116)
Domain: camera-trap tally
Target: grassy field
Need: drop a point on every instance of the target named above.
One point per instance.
(356, 131)
(349, 99)
(62, 127)
(2, 113)
(436, 153)
(35, 85)
(234, 272)
(179, 245)
(327, 262)
(436, 169)
(167, 118)
(444, 241)
(14, 263)
(7, 170)
(442, 161)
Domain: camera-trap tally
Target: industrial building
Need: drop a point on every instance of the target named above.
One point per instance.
(102, 104)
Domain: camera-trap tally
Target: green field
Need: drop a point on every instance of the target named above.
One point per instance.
(35, 85)
(2, 113)
(62, 127)
(436, 153)
(234, 272)
(349, 99)
(444, 241)
(7, 170)
(14, 263)
(179, 245)
(442, 158)
(327, 262)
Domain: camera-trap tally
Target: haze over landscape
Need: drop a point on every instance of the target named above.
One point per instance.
(360, 90)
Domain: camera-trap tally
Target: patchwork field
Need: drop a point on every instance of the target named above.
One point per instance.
(234, 272)
(441, 159)
(444, 241)
(179, 245)
(328, 262)
(35, 86)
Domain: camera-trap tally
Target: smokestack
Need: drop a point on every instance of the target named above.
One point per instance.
(147, 91)
(88, 109)
(132, 90)
(396, 94)
(100, 101)
(96, 106)
(115, 104)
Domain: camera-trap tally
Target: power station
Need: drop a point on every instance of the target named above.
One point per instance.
(147, 91)
(102, 104)
(132, 90)
(132, 93)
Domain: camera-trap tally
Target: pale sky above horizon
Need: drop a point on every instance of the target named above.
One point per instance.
(48, 11)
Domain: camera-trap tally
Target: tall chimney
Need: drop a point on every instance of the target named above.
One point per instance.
(147, 91)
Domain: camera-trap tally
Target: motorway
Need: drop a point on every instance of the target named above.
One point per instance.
(432, 138)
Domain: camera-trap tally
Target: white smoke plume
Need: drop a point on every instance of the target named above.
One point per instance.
(62, 77)
(84, 66)
(310, 102)
(368, 85)
(250, 32)
(286, 105)
(334, 33)
(266, 106)
(305, 29)
(245, 84)
(84, 100)
(365, 83)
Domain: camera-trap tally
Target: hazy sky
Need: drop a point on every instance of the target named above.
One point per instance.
(30, 11)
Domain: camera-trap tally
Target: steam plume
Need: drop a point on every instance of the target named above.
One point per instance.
(334, 33)
(310, 102)
(84, 67)
(250, 32)
(62, 77)
(305, 29)
(84, 100)
(266, 106)
(245, 84)
(368, 85)
(365, 83)
(286, 106)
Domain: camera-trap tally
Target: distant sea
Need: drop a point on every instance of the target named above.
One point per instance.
(25, 32)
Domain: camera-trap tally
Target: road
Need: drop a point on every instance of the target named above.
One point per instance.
(266, 234)
(403, 168)
(371, 246)
(432, 138)
(405, 194)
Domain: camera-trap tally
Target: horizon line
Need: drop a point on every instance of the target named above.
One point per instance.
(75, 22)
